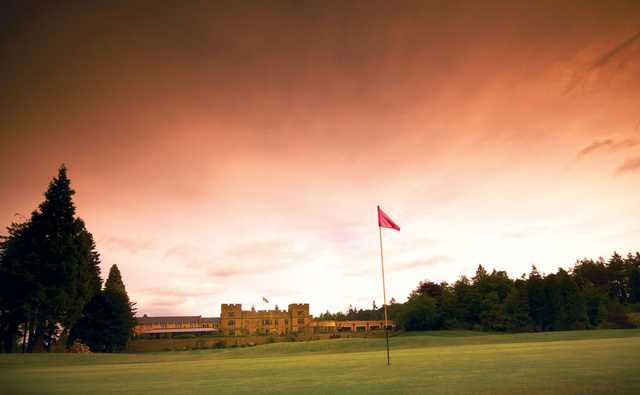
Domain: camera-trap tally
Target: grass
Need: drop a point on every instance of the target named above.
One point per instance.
(446, 362)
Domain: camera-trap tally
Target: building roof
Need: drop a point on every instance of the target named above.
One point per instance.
(181, 330)
(164, 320)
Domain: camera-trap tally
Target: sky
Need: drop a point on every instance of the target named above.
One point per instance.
(226, 151)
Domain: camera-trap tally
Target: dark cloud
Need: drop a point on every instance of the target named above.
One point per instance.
(594, 146)
(611, 55)
(582, 75)
(631, 165)
(607, 143)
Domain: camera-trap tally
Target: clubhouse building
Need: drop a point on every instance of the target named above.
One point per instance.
(234, 321)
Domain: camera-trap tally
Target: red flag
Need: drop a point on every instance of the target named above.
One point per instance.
(386, 222)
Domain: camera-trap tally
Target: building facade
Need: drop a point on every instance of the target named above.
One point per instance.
(176, 324)
(234, 321)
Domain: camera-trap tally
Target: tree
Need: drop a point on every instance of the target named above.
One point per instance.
(429, 288)
(16, 286)
(52, 258)
(596, 306)
(114, 281)
(633, 264)
(573, 302)
(618, 282)
(591, 294)
(537, 299)
(470, 305)
(108, 319)
(592, 278)
(517, 306)
(448, 309)
(68, 266)
(419, 313)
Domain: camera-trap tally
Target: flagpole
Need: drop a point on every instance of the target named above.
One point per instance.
(384, 294)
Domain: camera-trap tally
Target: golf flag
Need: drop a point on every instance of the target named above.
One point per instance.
(385, 222)
(265, 299)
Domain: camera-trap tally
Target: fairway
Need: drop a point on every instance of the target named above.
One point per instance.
(604, 361)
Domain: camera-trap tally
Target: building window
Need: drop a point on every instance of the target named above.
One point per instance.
(232, 323)
(300, 321)
(266, 322)
(286, 322)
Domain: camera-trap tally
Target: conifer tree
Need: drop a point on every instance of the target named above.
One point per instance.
(634, 277)
(52, 258)
(536, 296)
(114, 281)
(108, 319)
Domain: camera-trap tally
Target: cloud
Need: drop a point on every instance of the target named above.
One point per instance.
(132, 245)
(609, 143)
(250, 258)
(629, 166)
(418, 263)
(246, 258)
(583, 76)
(242, 269)
(190, 255)
(594, 146)
(609, 56)
(273, 248)
(166, 302)
(168, 292)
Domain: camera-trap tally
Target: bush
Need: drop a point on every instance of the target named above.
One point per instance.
(634, 319)
(618, 320)
(184, 336)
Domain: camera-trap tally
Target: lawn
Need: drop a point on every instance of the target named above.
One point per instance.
(446, 362)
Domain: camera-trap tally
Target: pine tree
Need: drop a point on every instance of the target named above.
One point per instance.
(114, 281)
(618, 284)
(572, 301)
(108, 320)
(54, 258)
(536, 297)
(517, 306)
(68, 267)
(634, 278)
(16, 287)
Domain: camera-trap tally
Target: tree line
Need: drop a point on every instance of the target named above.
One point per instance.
(593, 294)
(50, 285)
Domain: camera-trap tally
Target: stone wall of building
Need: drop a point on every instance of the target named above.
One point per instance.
(234, 321)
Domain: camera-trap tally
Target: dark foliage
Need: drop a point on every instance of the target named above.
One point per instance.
(108, 319)
(49, 271)
(593, 294)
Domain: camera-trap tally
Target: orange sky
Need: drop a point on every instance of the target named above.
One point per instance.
(222, 153)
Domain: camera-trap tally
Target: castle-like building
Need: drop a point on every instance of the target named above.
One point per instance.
(234, 321)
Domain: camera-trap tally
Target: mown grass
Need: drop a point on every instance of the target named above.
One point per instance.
(605, 361)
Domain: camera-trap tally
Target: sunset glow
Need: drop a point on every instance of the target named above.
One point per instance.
(222, 154)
